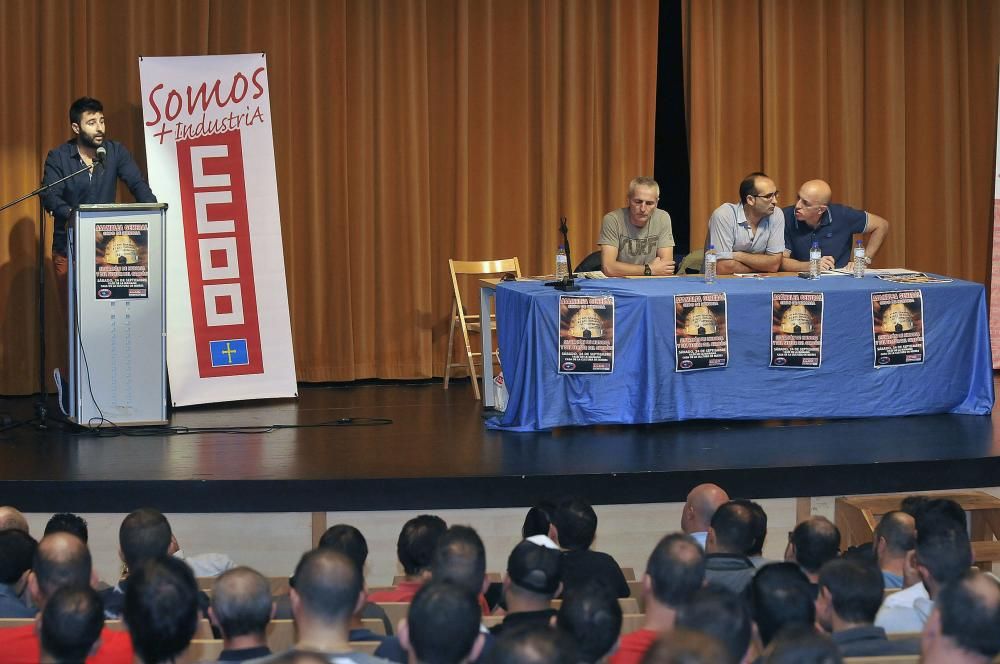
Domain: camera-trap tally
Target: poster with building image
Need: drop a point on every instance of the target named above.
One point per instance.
(898, 327)
(586, 334)
(701, 332)
(796, 330)
(122, 261)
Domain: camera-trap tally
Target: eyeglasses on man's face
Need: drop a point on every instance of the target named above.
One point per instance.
(770, 197)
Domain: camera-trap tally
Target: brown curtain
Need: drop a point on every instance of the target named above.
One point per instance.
(407, 132)
(892, 101)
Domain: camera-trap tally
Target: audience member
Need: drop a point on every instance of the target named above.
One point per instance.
(161, 609)
(12, 519)
(17, 549)
(730, 538)
(813, 542)
(205, 565)
(349, 541)
(781, 597)
(61, 561)
(442, 626)
(721, 614)
(241, 609)
(575, 525)
(894, 536)
(533, 644)
(801, 644)
(702, 501)
(592, 617)
(685, 646)
(674, 572)
(850, 592)
(965, 624)
(70, 625)
(414, 548)
(759, 529)
(143, 535)
(538, 520)
(533, 578)
(66, 522)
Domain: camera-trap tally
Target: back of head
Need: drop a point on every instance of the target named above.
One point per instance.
(576, 522)
(241, 602)
(417, 541)
(460, 557)
(12, 519)
(17, 550)
(676, 569)
(538, 519)
(61, 560)
(592, 617)
(970, 613)
(781, 596)
(65, 522)
(535, 568)
(944, 550)
(856, 587)
(161, 608)
(328, 585)
(443, 622)
(801, 644)
(685, 646)
(816, 541)
(733, 525)
(349, 541)
(936, 512)
(758, 525)
(721, 614)
(533, 644)
(701, 503)
(71, 623)
(899, 531)
(144, 535)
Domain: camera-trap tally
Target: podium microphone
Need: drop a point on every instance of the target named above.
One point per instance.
(102, 152)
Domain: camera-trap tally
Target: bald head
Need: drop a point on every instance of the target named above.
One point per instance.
(12, 519)
(61, 560)
(817, 192)
(328, 585)
(968, 616)
(241, 602)
(701, 504)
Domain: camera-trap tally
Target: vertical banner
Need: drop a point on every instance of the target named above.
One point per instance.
(701, 331)
(210, 154)
(995, 270)
(586, 333)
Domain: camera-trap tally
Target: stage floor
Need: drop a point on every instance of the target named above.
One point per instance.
(435, 453)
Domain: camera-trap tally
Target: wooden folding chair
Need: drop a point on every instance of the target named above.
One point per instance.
(471, 322)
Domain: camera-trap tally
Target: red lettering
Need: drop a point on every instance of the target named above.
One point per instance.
(256, 83)
(152, 103)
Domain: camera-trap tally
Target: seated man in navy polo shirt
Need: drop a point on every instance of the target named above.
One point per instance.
(814, 218)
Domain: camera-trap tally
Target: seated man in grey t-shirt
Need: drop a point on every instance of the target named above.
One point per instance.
(637, 239)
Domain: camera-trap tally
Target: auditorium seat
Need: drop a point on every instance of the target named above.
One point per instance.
(632, 622)
(628, 604)
(884, 659)
(367, 647)
(635, 592)
(395, 611)
(204, 650)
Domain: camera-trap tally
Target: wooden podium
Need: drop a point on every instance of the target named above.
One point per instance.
(117, 315)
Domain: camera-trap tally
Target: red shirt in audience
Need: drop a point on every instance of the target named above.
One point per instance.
(19, 645)
(633, 646)
(403, 592)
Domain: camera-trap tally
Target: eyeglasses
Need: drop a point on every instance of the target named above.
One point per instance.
(772, 196)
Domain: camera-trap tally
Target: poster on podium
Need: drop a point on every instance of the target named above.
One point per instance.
(210, 153)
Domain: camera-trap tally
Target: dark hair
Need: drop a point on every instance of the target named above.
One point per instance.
(161, 608)
(65, 522)
(816, 541)
(856, 588)
(460, 557)
(686, 646)
(591, 615)
(417, 540)
(241, 602)
(936, 512)
(676, 569)
(533, 644)
(944, 551)
(538, 519)
(970, 615)
(328, 583)
(56, 567)
(17, 550)
(780, 596)
(748, 186)
(758, 525)
(144, 535)
(84, 105)
(576, 522)
(444, 622)
(733, 524)
(801, 644)
(349, 541)
(719, 613)
(899, 534)
(72, 621)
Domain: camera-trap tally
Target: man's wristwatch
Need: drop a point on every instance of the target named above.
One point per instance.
(647, 272)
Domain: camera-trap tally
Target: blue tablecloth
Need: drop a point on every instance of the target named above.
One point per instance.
(956, 376)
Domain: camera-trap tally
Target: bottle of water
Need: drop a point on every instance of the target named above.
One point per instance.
(711, 258)
(859, 260)
(562, 267)
(814, 258)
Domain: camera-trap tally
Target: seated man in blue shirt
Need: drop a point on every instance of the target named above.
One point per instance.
(748, 236)
(814, 218)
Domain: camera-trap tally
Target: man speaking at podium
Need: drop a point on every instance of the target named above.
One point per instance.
(107, 161)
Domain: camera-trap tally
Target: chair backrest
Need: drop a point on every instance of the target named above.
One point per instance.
(592, 263)
(280, 635)
(395, 611)
(374, 625)
(366, 647)
(204, 650)
(693, 261)
(481, 269)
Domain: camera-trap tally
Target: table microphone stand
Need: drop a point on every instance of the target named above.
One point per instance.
(41, 409)
(568, 283)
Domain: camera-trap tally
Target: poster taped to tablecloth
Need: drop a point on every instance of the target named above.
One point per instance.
(701, 331)
(796, 330)
(898, 327)
(586, 334)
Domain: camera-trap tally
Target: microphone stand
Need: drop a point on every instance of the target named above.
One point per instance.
(568, 283)
(41, 408)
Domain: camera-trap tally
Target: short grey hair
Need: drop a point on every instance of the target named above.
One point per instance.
(643, 181)
(241, 601)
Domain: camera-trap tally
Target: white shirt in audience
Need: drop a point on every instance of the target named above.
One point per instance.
(207, 564)
(700, 538)
(905, 611)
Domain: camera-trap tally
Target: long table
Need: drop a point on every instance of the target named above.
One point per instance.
(955, 377)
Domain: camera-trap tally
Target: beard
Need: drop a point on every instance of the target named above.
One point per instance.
(90, 141)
